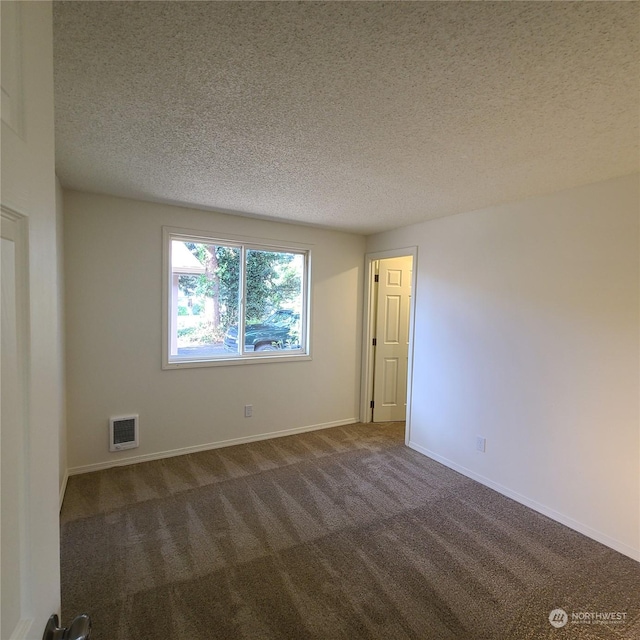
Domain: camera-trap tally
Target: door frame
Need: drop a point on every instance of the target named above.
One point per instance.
(367, 331)
(16, 229)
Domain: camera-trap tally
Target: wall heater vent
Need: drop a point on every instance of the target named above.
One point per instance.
(123, 433)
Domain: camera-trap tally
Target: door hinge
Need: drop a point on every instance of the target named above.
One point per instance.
(371, 405)
(375, 342)
(376, 278)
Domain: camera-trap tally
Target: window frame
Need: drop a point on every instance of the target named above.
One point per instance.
(244, 243)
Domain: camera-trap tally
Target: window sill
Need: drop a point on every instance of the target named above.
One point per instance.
(232, 361)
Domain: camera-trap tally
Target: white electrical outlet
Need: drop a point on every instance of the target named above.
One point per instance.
(248, 410)
(481, 444)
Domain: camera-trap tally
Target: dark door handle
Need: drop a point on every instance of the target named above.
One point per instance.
(79, 629)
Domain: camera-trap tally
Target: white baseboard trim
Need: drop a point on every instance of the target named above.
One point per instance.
(580, 527)
(63, 487)
(98, 466)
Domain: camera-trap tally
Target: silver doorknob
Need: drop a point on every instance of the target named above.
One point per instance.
(79, 629)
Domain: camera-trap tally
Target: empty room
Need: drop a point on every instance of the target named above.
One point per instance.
(320, 320)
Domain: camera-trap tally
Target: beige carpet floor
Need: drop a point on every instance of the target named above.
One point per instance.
(343, 533)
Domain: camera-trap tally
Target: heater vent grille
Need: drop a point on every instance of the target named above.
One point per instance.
(123, 433)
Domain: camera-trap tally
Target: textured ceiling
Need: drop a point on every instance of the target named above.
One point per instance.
(361, 116)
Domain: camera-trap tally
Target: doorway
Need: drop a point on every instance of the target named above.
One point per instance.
(388, 336)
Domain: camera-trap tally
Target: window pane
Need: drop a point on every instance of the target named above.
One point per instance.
(274, 300)
(206, 283)
(212, 279)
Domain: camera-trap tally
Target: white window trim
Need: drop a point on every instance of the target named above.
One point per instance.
(248, 242)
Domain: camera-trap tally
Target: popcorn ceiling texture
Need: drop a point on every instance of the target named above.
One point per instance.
(361, 116)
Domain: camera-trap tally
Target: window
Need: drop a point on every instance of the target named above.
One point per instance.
(231, 300)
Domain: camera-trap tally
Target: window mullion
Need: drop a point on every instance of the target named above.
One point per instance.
(242, 293)
(306, 293)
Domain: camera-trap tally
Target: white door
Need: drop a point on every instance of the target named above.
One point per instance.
(392, 339)
(31, 383)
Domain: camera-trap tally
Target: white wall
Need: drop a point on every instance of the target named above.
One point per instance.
(28, 188)
(527, 334)
(113, 263)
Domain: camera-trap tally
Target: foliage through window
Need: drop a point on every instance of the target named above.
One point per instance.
(231, 300)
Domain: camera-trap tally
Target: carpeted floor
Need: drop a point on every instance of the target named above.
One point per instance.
(337, 534)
